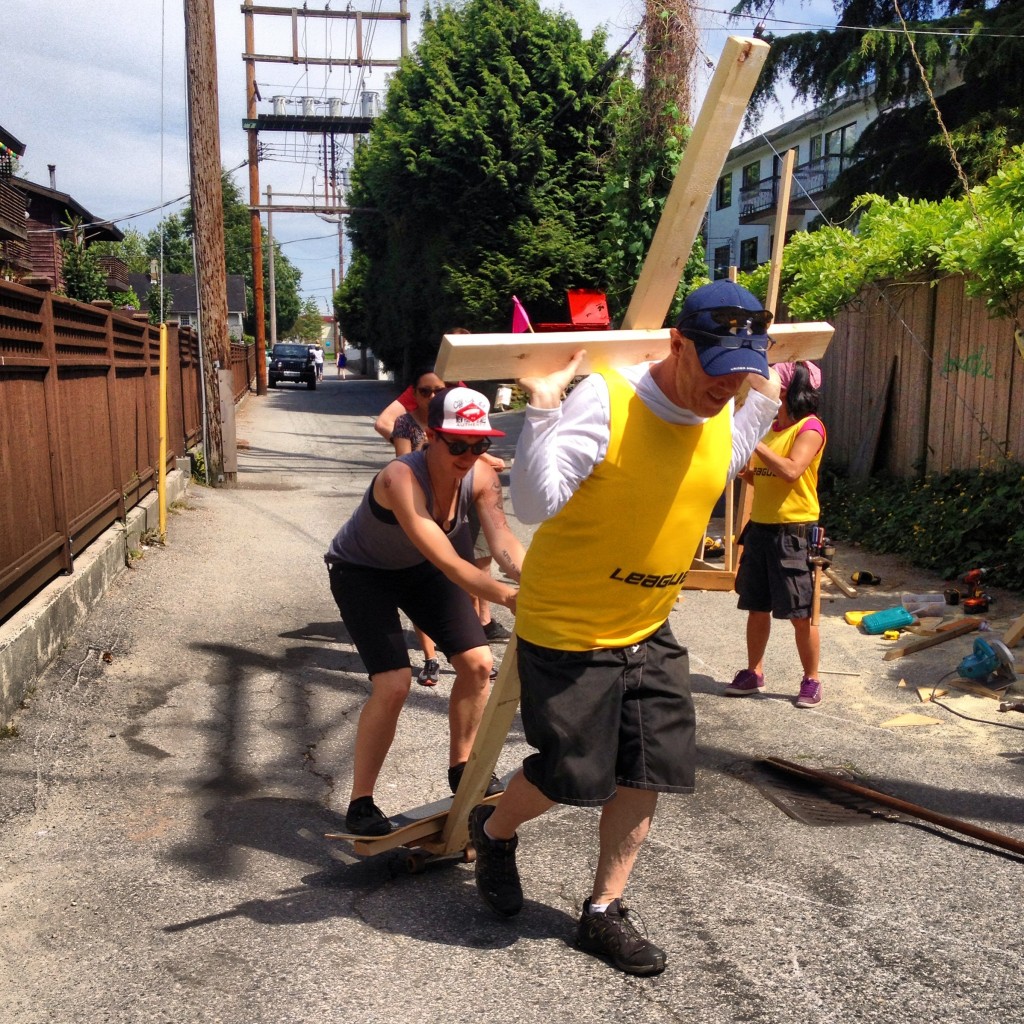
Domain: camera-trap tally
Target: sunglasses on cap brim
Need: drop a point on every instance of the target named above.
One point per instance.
(460, 447)
(736, 318)
(705, 339)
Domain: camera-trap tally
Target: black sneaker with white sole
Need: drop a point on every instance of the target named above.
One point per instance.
(496, 633)
(612, 937)
(497, 877)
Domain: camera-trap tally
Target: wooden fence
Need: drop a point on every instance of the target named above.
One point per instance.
(918, 380)
(79, 430)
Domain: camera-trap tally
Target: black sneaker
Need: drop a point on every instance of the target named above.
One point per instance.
(365, 818)
(495, 865)
(612, 937)
(455, 777)
(496, 633)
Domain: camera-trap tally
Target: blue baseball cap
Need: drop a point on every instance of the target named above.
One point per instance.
(729, 327)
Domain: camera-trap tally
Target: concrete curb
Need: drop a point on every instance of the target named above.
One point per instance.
(33, 635)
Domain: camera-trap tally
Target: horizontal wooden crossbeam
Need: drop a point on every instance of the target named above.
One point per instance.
(511, 356)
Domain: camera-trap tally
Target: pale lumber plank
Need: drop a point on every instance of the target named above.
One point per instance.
(781, 218)
(709, 579)
(512, 356)
(720, 117)
(1012, 636)
(947, 633)
(490, 738)
(840, 583)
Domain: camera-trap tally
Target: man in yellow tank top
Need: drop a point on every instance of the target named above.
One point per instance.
(622, 478)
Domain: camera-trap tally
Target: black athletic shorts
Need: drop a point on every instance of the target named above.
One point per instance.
(369, 601)
(774, 574)
(610, 717)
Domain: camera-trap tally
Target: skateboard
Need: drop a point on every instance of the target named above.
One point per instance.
(419, 831)
(440, 830)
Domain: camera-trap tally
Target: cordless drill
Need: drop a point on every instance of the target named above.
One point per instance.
(977, 601)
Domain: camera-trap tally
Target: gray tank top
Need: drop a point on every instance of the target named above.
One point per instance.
(372, 536)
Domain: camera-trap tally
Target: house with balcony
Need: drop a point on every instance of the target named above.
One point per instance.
(740, 221)
(12, 203)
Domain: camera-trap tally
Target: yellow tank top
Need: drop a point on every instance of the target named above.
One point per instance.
(605, 570)
(776, 500)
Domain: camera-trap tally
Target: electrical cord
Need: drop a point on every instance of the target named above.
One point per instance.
(960, 714)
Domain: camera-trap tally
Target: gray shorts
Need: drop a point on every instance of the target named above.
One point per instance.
(606, 718)
(774, 575)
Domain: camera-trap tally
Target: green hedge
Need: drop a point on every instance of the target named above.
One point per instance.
(947, 524)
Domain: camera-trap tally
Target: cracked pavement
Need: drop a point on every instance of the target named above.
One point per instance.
(163, 805)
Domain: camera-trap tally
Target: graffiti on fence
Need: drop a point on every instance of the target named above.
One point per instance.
(975, 365)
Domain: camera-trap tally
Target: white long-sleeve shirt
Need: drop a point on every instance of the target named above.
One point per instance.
(559, 448)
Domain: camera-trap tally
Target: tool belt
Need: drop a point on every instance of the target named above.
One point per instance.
(791, 529)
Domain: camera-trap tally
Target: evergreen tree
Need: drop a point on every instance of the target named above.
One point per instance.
(482, 179)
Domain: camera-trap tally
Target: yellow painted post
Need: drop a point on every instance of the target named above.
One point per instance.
(162, 472)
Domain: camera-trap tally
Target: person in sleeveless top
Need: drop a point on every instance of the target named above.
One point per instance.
(405, 549)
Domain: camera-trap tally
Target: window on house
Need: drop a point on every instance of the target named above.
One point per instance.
(723, 259)
(723, 194)
(752, 174)
(839, 142)
(185, 319)
(814, 148)
(748, 253)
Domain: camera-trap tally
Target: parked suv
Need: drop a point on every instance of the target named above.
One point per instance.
(292, 363)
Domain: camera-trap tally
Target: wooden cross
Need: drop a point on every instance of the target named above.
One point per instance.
(642, 338)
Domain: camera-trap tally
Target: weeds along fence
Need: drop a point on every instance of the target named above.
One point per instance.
(79, 426)
(918, 380)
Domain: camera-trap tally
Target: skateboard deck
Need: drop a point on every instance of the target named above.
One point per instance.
(408, 827)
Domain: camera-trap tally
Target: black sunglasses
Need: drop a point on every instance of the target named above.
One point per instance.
(736, 318)
(430, 392)
(460, 447)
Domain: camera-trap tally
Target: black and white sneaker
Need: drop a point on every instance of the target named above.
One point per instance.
(497, 877)
(612, 937)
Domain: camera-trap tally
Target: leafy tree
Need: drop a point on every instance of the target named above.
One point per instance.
(980, 236)
(309, 323)
(482, 179)
(177, 255)
(131, 251)
(903, 151)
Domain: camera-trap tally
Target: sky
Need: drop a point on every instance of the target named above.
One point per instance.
(103, 99)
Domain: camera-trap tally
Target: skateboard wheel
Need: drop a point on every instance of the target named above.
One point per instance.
(415, 862)
(469, 855)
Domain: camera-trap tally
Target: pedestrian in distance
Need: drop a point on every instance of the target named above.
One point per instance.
(318, 361)
(605, 685)
(342, 364)
(774, 578)
(404, 549)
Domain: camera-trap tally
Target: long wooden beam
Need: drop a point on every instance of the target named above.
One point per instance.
(712, 137)
(510, 356)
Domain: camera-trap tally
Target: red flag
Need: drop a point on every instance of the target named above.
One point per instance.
(520, 319)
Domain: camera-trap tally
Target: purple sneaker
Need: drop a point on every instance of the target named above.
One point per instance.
(810, 693)
(745, 683)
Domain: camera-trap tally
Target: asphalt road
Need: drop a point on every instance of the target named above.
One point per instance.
(161, 805)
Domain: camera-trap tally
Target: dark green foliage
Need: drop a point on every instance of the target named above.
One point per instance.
(903, 153)
(84, 278)
(484, 178)
(947, 524)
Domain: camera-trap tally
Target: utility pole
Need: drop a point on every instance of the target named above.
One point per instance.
(270, 269)
(208, 213)
(252, 94)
